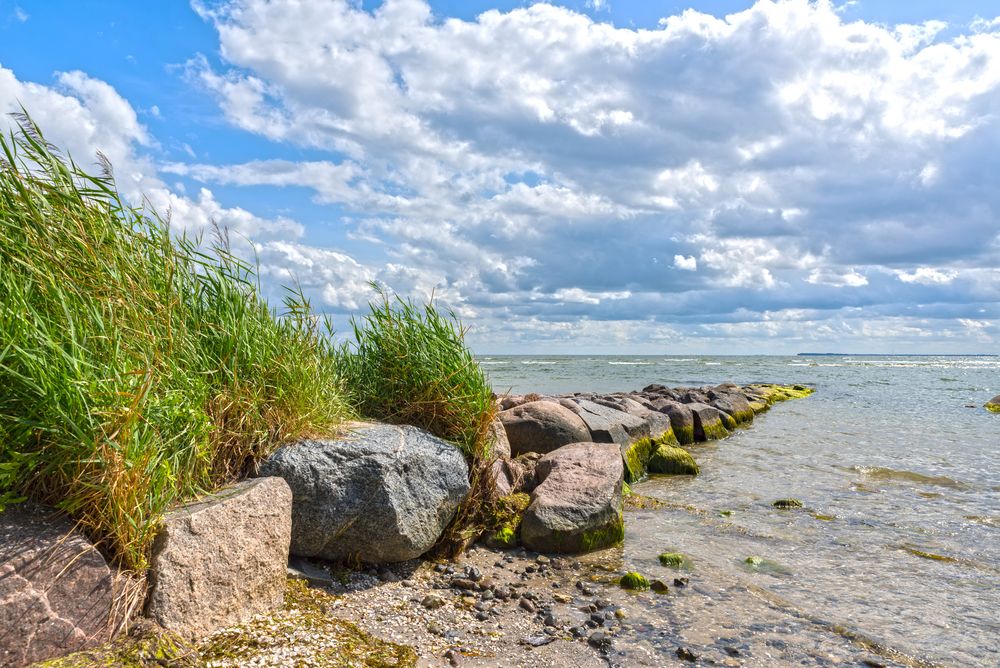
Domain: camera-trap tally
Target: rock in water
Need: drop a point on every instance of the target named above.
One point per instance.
(993, 405)
(577, 506)
(609, 425)
(56, 591)
(673, 460)
(222, 560)
(681, 418)
(707, 423)
(542, 426)
(383, 493)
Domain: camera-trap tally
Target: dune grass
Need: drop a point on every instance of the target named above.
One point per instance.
(409, 364)
(137, 367)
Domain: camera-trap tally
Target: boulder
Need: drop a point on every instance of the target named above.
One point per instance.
(498, 438)
(222, 560)
(57, 593)
(542, 426)
(733, 403)
(694, 397)
(708, 424)
(515, 475)
(673, 460)
(577, 506)
(609, 425)
(681, 419)
(993, 405)
(382, 493)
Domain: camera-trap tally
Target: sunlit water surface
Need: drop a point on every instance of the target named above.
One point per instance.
(898, 546)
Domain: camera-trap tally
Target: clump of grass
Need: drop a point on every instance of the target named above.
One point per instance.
(137, 368)
(409, 365)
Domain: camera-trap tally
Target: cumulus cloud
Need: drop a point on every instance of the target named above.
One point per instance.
(777, 173)
(689, 263)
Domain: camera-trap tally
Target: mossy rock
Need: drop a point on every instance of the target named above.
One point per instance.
(775, 393)
(659, 586)
(673, 461)
(715, 431)
(728, 421)
(634, 581)
(636, 456)
(607, 536)
(674, 560)
(993, 405)
(507, 520)
(759, 407)
(787, 504)
(684, 434)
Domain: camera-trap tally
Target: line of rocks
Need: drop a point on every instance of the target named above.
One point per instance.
(379, 494)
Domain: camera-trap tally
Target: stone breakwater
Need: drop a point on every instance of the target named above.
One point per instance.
(379, 495)
(567, 459)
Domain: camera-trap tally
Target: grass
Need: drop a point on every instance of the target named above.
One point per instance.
(409, 365)
(138, 367)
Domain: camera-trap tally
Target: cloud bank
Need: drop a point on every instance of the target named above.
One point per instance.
(777, 178)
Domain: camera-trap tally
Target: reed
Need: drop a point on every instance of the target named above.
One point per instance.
(138, 367)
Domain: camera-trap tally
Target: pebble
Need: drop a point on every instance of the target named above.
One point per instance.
(599, 639)
(432, 602)
(526, 604)
(542, 559)
(463, 583)
(685, 654)
(562, 598)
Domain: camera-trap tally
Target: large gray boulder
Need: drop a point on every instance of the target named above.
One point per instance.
(577, 505)
(542, 426)
(382, 493)
(499, 443)
(733, 402)
(57, 593)
(222, 560)
(610, 425)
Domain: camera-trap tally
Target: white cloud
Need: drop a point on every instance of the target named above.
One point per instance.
(837, 278)
(689, 263)
(928, 276)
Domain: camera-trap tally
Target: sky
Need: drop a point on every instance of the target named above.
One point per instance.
(584, 177)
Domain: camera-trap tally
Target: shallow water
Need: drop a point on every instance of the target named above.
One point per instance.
(898, 545)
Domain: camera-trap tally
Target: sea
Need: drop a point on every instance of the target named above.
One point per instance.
(894, 558)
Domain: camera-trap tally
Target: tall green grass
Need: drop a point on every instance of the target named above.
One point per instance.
(136, 367)
(409, 365)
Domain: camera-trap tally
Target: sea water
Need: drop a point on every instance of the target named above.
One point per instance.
(897, 547)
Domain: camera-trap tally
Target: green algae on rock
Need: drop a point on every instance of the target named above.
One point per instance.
(728, 421)
(634, 581)
(607, 536)
(673, 460)
(787, 504)
(636, 456)
(507, 520)
(993, 405)
(760, 564)
(674, 560)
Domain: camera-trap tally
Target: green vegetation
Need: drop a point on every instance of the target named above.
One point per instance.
(507, 519)
(409, 365)
(137, 367)
(674, 560)
(634, 581)
(673, 460)
(992, 406)
(715, 431)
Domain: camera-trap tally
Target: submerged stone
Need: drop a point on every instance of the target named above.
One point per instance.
(993, 405)
(659, 586)
(634, 581)
(786, 504)
(673, 461)
(674, 560)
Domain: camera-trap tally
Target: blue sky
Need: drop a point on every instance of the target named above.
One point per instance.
(647, 177)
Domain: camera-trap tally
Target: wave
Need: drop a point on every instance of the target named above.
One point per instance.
(632, 363)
